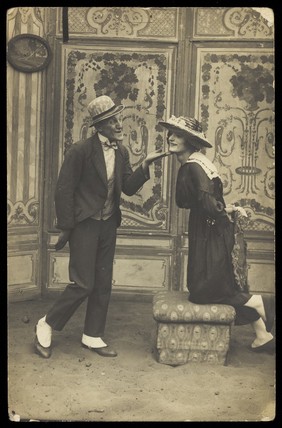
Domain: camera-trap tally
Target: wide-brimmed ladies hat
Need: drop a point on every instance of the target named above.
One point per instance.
(102, 108)
(189, 126)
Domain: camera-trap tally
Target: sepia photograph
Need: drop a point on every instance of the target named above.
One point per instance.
(152, 130)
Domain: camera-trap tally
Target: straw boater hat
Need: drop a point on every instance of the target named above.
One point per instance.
(190, 127)
(102, 108)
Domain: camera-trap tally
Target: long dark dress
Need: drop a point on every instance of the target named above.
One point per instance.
(210, 274)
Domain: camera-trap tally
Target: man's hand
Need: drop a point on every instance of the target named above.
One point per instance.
(153, 156)
(62, 239)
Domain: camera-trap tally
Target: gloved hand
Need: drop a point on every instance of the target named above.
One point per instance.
(242, 211)
(231, 207)
(62, 239)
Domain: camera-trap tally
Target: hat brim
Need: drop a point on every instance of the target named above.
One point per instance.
(107, 114)
(194, 139)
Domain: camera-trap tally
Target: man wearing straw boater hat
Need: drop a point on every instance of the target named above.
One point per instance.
(94, 173)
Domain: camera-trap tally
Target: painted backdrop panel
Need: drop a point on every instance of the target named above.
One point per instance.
(141, 81)
(236, 106)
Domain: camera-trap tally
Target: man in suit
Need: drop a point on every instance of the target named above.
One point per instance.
(94, 173)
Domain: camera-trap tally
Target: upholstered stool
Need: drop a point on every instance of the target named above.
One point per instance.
(190, 332)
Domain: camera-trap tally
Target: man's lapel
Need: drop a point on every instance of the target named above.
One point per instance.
(99, 160)
(118, 167)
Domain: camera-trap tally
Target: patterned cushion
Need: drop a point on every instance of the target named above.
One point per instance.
(178, 344)
(174, 307)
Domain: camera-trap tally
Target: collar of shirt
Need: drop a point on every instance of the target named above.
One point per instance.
(106, 144)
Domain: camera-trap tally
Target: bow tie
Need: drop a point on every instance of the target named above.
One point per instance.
(108, 145)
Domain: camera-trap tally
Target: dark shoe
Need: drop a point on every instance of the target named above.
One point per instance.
(268, 347)
(40, 350)
(269, 308)
(104, 352)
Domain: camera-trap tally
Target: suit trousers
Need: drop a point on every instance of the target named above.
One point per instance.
(92, 247)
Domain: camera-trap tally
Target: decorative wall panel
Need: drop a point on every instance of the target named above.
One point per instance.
(261, 276)
(22, 275)
(235, 22)
(21, 269)
(131, 55)
(236, 105)
(141, 82)
(24, 167)
(23, 126)
(143, 272)
(59, 270)
(122, 22)
(156, 242)
(140, 262)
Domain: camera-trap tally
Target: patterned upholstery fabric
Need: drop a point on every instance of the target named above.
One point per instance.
(239, 252)
(187, 332)
(173, 306)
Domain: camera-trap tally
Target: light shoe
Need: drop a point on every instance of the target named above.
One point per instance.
(268, 347)
(44, 333)
(40, 350)
(93, 342)
(97, 345)
(106, 351)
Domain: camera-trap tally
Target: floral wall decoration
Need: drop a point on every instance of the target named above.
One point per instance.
(159, 23)
(139, 82)
(234, 22)
(236, 107)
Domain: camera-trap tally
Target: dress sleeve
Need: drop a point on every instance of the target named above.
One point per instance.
(195, 188)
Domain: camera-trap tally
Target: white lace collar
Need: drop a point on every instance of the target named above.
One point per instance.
(205, 163)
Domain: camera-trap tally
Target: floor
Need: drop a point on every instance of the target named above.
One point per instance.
(76, 384)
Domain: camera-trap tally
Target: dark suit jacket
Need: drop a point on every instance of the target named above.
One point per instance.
(81, 189)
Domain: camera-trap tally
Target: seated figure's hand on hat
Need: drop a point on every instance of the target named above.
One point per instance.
(62, 239)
